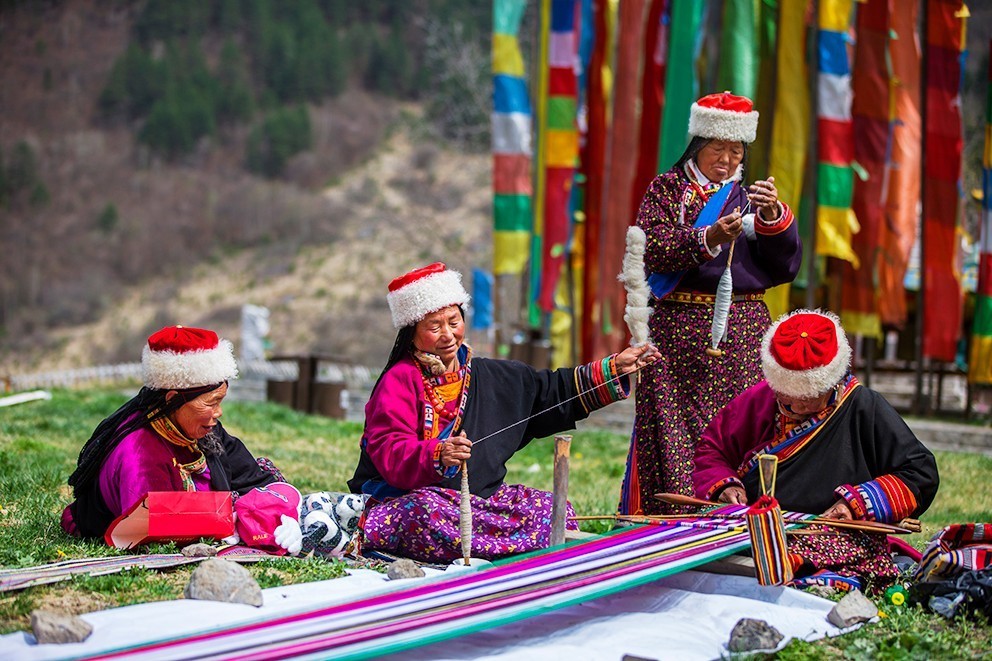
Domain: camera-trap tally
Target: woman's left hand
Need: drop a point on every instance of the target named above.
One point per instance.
(840, 511)
(764, 196)
(632, 359)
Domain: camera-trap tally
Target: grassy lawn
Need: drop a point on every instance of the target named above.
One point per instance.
(39, 443)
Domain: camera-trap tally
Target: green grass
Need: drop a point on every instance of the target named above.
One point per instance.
(39, 443)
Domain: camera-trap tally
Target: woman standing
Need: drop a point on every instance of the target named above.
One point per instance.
(692, 215)
(434, 399)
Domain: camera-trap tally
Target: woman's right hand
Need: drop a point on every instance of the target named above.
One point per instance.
(734, 494)
(455, 450)
(724, 230)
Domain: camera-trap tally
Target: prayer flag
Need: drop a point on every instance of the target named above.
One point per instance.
(681, 91)
(871, 122)
(482, 300)
(942, 291)
(980, 359)
(898, 232)
(835, 220)
(511, 124)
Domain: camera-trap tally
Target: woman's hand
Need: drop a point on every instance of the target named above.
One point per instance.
(632, 359)
(724, 230)
(764, 196)
(734, 495)
(455, 450)
(839, 510)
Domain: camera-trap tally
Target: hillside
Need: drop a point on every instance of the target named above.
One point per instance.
(127, 241)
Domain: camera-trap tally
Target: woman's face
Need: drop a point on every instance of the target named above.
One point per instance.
(197, 417)
(441, 333)
(719, 159)
(804, 406)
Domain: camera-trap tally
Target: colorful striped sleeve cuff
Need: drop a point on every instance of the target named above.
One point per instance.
(713, 491)
(886, 499)
(599, 384)
(777, 226)
(442, 470)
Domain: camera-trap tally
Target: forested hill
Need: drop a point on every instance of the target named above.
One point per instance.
(166, 161)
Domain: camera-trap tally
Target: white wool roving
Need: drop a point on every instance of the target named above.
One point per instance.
(637, 311)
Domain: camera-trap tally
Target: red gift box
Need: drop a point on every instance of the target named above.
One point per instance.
(173, 516)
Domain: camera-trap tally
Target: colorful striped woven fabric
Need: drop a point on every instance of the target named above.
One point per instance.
(445, 607)
(766, 530)
(955, 549)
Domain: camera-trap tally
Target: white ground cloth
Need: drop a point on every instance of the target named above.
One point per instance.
(685, 616)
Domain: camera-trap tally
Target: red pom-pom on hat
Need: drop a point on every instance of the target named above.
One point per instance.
(181, 339)
(805, 354)
(180, 357)
(726, 101)
(416, 274)
(724, 116)
(804, 342)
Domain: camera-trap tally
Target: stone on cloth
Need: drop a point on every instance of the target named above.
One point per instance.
(221, 580)
(750, 635)
(854, 608)
(58, 628)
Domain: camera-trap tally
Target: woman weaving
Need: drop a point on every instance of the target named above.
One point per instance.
(434, 398)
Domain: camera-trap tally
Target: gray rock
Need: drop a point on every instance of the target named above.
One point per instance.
(222, 580)
(749, 635)
(853, 609)
(824, 591)
(199, 550)
(631, 657)
(57, 628)
(404, 568)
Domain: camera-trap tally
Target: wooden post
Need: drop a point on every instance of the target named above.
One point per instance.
(559, 504)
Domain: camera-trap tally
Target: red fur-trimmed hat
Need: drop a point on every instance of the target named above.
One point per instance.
(179, 357)
(724, 116)
(428, 289)
(805, 353)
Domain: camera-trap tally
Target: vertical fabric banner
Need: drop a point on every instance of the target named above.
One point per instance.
(482, 300)
(680, 81)
(511, 123)
(835, 220)
(738, 64)
(655, 58)
(593, 160)
(898, 233)
(790, 130)
(870, 120)
(621, 166)
(980, 358)
(942, 291)
(561, 147)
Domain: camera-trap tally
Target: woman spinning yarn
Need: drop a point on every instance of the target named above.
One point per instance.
(691, 216)
(436, 407)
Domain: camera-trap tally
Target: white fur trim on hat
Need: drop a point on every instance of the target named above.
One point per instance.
(718, 124)
(805, 383)
(168, 370)
(414, 301)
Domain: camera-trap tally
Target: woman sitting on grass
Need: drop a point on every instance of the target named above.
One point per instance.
(434, 399)
(167, 438)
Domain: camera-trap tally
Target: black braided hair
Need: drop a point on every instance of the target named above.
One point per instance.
(114, 428)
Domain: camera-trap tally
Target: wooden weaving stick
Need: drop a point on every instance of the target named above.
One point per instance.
(864, 526)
